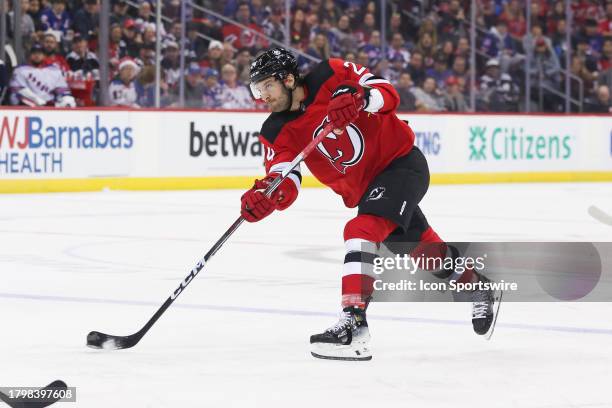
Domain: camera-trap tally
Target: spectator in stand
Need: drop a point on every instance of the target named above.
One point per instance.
(27, 24)
(463, 47)
(300, 32)
(146, 55)
(145, 87)
(404, 89)
(81, 61)
(559, 39)
(346, 41)
(259, 12)
(56, 17)
(86, 19)
(416, 69)
(363, 59)
(492, 75)
(243, 65)
(52, 54)
(365, 30)
(212, 89)
(396, 69)
(556, 13)
(171, 64)
(579, 69)
(122, 90)
(319, 48)
(372, 48)
(331, 10)
(324, 27)
(454, 101)
(426, 48)
(514, 18)
(395, 27)
(213, 59)
(602, 103)
(228, 54)
(238, 37)
(149, 33)
(38, 84)
(428, 27)
(487, 14)
(428, 97)
(448, 51)
(451, 21)
(504, 97)
(194, 87)
(439, 72)
(459, 69)
(592, 36)
(529, 40)
(131, 38)
(119, 12)
(544, 69)
(538, 15)
(234, 95)
(196, 45)
(397, 48)
(145, 12)
(605, 61)
(116, 47)
(35, 13)
(605, 23)
(273, 25)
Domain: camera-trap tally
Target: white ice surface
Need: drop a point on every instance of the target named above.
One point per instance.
(238, 336)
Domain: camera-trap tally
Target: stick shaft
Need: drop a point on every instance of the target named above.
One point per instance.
(200, 265)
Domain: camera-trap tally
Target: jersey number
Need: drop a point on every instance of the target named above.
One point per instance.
(355, 69)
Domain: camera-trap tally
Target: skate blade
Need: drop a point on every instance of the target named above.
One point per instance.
(352, 352)
(498, 299)
(367, 358)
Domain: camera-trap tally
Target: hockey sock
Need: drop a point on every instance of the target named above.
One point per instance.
(362, 236)
(434, 251)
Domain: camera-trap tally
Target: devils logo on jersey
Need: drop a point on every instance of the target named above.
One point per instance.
(342, 150)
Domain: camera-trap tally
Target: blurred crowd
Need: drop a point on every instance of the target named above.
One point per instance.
(427, 55)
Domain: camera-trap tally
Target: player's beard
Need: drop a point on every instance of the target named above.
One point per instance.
(283, 102)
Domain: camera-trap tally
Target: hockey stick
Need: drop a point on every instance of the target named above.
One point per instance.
(99, 340)
(23, 402)
(600, 215)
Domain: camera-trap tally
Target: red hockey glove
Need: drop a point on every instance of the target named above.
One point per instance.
(346, 102)
(256, 206)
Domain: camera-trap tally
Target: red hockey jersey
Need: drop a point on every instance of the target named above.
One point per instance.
(347, 163)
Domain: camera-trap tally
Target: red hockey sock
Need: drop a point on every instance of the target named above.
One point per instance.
(362, 235)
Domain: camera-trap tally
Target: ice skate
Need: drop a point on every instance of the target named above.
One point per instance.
(485, 306)
(348, 339)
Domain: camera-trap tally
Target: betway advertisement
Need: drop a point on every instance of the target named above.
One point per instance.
(65, 144)
(211, 144)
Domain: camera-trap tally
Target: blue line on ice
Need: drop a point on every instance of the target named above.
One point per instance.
(242, 309)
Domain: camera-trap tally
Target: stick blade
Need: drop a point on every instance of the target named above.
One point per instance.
(101, 341)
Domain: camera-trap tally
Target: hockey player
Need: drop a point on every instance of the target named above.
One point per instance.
(39, 85)
(370, 160)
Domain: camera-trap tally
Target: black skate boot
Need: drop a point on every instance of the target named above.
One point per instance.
(485, 306)
(346, 340)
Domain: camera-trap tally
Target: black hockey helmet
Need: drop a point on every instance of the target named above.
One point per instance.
(277, 62)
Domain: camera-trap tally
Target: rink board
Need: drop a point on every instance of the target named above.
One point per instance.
(46, 150)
